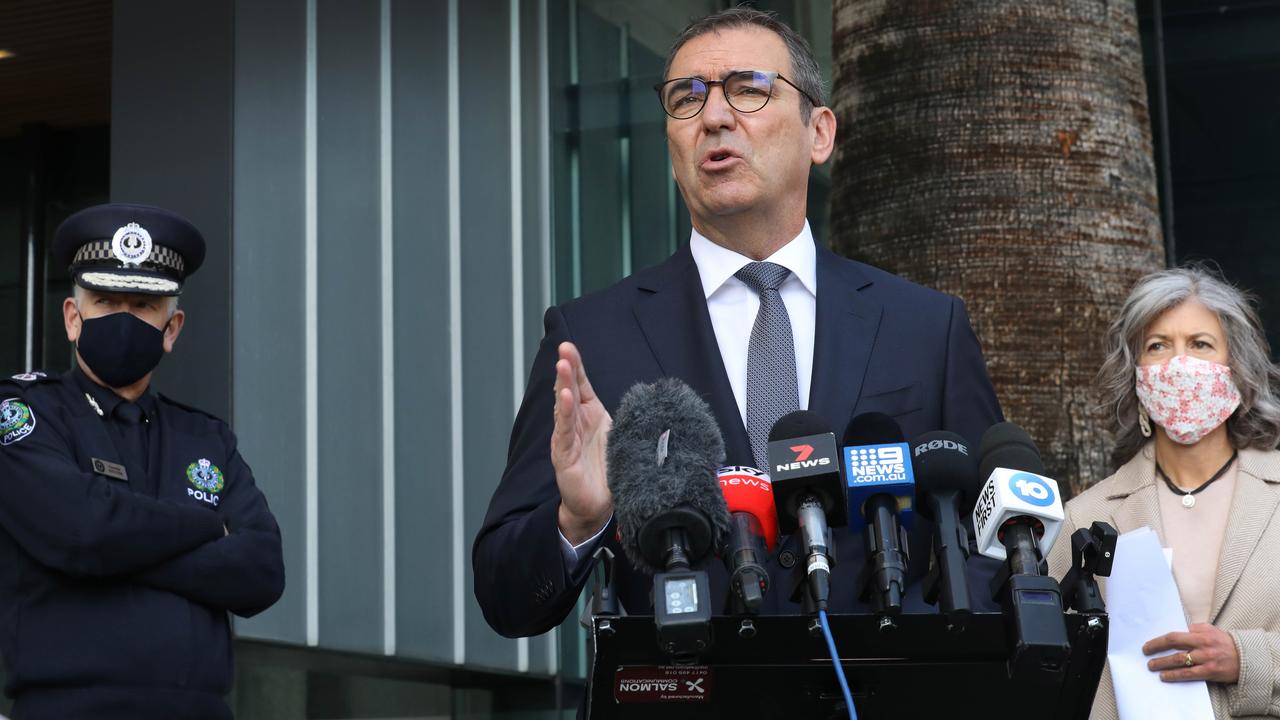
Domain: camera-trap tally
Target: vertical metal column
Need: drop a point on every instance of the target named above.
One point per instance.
(1162, 117)
(34, 139)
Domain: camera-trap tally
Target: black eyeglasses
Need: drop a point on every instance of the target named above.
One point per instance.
(745, 90)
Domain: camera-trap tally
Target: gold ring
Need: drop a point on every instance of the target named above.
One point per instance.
(1189, 662)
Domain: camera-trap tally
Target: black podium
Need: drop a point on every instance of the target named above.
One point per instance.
(778, 669)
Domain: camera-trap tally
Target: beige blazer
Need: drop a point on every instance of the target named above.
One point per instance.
(1246, 595)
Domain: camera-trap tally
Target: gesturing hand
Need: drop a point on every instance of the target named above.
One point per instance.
(1212, 652)
(578, 449)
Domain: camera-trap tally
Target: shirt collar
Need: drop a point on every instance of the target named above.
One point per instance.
(106, 398)
(716, 263)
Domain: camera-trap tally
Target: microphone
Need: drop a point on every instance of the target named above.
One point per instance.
(1017, 518)
(946, 476)
(881, 491)
(1019, 512)
(807, 492)
(753, 528)
(662, 456)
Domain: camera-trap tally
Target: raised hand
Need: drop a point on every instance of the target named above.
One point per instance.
(578, 449)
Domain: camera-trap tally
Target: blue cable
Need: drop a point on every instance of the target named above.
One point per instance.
(835, 660)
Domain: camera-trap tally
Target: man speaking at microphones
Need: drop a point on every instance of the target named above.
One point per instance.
(751, 313)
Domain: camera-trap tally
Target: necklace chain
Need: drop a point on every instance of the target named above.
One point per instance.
(1187, 500)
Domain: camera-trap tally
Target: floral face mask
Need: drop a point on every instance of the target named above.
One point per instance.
(1188, 397)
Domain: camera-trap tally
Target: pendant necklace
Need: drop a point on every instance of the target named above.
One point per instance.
(1188, 496)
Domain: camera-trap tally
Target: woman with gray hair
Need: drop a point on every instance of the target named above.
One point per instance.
(1193, 394)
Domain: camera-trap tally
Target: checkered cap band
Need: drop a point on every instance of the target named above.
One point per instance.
(162, 258)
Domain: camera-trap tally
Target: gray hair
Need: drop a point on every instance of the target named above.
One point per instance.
(804, 67)
(77, 293)
(1256, 423)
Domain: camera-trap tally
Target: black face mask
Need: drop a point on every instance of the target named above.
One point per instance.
(120, 348)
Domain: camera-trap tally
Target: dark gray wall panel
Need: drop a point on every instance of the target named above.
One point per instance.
(486, 283)
(652, 226)
(420, 178)
(564, 138)
(600, 209)
(267, 351)
(171, 118)
(350, 502)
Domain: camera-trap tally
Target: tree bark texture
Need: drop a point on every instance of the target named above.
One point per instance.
(1001, 150)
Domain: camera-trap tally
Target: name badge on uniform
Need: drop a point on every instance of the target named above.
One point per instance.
(110, 469)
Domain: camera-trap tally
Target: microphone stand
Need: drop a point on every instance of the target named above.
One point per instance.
(884, 576)
(946, 583)
(681, 602)
(1032, 603)
(1092, 552)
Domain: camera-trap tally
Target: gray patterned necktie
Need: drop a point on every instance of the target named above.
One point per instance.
(771, 358)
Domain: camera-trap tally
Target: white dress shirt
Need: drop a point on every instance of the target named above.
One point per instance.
(733, 307)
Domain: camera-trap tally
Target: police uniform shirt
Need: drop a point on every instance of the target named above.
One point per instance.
(128, 531)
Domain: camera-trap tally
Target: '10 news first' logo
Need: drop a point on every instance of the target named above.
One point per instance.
(1032, 489)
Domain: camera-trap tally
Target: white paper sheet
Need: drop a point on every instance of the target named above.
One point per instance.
(1143, 603)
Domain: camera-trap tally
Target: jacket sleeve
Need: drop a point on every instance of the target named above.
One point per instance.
(242, 572)
(969, 404)
(83, 524)
(521, 580)
(1257, 692)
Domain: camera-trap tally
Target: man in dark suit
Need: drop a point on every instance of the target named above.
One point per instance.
(751, 314)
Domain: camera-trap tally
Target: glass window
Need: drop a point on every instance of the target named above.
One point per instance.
(1221, 62)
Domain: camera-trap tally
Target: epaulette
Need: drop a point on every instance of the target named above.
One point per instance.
(183, 406)
(27, 379)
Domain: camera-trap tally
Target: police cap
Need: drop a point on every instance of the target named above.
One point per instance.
(123, 247)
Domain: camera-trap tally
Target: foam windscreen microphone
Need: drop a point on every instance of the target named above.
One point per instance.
(881, 486)
(663, 453)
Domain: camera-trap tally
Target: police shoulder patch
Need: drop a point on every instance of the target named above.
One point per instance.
(205, 476)
(17, 421)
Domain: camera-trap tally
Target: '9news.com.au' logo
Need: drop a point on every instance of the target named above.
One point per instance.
(877, 463)
(1031, 489)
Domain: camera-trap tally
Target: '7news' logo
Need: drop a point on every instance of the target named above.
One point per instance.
(803, 459)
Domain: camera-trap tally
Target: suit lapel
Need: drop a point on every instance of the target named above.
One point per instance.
(1252, 507)
(672, 313)
(845, 331)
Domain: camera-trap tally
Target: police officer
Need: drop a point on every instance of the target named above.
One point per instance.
(129, 524)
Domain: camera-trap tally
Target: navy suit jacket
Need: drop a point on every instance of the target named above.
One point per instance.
(882, 344)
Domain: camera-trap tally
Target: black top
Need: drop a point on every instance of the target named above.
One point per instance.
(124, 543)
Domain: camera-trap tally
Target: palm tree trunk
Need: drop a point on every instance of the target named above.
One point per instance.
(1000, 150)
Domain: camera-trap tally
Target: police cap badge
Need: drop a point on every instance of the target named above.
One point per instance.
(123, 247)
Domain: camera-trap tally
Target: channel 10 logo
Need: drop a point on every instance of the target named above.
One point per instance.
(1031, 489)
